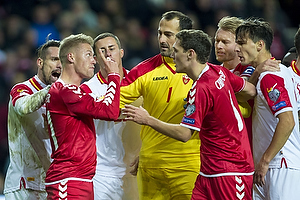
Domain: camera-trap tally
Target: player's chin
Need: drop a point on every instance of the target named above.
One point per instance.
(165, 53)
(90, 73)
(54, 78)
(220, 58)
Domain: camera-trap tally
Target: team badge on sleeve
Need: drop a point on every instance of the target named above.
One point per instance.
(273, 93)
(190, 110)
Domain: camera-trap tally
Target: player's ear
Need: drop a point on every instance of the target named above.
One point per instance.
(260, 44)
(191, 53)
(122, 52)
(70, 57)
(40, 63)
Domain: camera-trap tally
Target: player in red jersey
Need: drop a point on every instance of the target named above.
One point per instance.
(226, 160)
(167, 168)
(70, 114)
(226, 54)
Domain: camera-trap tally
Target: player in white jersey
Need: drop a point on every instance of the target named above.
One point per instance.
(276, 140)
(294, 68)
(29, 143)
(110, 168)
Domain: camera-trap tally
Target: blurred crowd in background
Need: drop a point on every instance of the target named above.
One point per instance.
(25, 25)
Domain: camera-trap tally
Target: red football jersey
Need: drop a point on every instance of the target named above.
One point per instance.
(70, 114)
(213, 110)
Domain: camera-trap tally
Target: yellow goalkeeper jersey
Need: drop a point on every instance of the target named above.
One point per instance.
(163, 91)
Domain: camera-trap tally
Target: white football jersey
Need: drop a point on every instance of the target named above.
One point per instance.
(29, 143)
(296, 79)
(275, 95)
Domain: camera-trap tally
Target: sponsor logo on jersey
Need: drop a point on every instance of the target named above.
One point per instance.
(273, 93)
(188, 120)
(185, 79)
(190, 110)
(160, 78)
(279, 105)
(220, 82)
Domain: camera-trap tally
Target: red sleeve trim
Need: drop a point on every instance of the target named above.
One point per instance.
(19, 91)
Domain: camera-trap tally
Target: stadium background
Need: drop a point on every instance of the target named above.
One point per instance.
(24, 25)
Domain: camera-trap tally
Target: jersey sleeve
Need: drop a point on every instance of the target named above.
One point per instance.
(275, 93)
(236, 82)
(85, 88)
(199, 102)
(25, 101)
(81, 103)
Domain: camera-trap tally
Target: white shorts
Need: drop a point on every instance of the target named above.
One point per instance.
(108, 188)
(281, 184)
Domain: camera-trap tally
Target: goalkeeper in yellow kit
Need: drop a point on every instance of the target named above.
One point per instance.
(167, 168)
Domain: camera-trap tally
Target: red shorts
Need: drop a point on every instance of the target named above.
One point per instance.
(71, 189)
(223, 188)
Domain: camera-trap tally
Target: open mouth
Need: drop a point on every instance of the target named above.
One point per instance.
(56, 73)
(164, 46)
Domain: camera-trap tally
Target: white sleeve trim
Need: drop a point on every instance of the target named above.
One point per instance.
(190, 127)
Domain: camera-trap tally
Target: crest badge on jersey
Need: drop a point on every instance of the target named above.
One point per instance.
(273, 93)
(185, 79)
(190, 109)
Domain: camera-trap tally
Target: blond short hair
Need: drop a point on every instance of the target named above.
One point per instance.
(71, 42)
(230, 23)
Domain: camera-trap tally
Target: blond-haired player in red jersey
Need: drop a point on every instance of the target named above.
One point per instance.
(70, 113)
(110, 169)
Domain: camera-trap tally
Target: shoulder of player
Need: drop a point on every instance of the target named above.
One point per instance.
(283, 73)
(22, 87)
(142, 68)
(61, 88)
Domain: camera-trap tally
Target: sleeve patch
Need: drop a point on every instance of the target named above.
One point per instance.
(188, 120)
(279, 105)
(273, 94)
